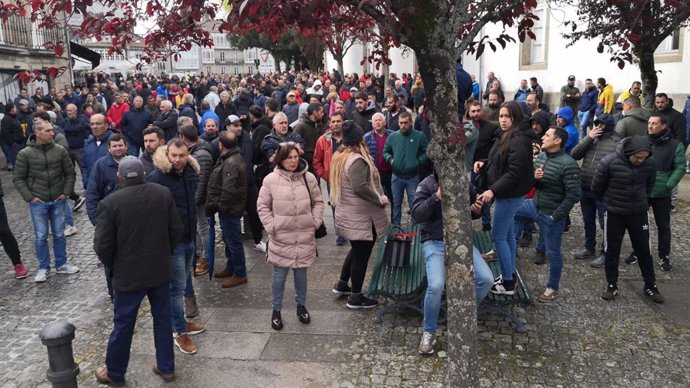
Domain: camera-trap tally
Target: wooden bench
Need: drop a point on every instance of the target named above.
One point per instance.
(403, 287)
(502, 304)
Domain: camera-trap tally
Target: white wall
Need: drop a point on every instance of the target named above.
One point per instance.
(403, 61)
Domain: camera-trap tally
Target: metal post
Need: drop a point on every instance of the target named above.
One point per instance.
(63, 371)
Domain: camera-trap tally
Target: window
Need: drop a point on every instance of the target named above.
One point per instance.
(671, 49)
(189, 60)
(236, 70)
(222, 57)
(534, 52)
(220, 41)
(222, 70)
(207, 55)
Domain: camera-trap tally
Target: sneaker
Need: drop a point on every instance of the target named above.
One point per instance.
(490, 255)
(79, 203)
(70, 230)
(185, 344)
(503, 288)
(167, 377)
(101, 374)
(201, 266)
(549, 295)
(540, 258)
(303, 315)
(276, 320)
(226, 273)
(42, 275)
(260, 246)
(234, 281)
(194, 328)
(654, 294)
(611, 292)
(598, 262)
(665, 264)
(498, 279)
(191, 309)
(360, 302)
(526, 240)
(340, 241)
(631, 259)
(67, 269)
(584, 254)
(341, 289)
(426, 344)
(20, 272)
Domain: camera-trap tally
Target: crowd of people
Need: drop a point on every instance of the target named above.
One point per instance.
(257, 148)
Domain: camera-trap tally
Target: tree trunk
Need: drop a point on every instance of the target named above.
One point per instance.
(436, 55)
(648, 75)
(341, 67)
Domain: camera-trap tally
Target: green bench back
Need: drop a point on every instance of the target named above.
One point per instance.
(399, 283)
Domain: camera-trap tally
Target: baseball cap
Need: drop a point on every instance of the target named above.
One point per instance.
(291, 94)
(130, 167)
(23, 102)
(354, 89)
(571, 78)
(232, 119)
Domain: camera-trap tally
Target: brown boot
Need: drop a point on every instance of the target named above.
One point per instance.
(194, 328)
(226, 273)
(191, 310)
(234, 281)
(167, 377)
(101, 374)
(201, 266)
(185, 344)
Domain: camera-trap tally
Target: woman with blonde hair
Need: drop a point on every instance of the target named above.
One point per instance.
(291, 209)
(360, 214)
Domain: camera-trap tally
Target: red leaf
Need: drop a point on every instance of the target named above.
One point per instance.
(36, 4)
(59, 50)
(68, 7)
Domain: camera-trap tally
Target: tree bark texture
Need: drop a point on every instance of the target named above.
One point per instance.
(650, 81)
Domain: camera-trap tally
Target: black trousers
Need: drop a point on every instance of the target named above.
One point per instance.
(637, 226)
(9, 243)
(356, 262)
(662, 218)
(252, 215)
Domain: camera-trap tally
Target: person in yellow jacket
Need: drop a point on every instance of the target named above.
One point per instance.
(606, 97)
(635, 90)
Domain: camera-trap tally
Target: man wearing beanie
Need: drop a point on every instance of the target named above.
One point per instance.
(623, 181)
(138, 215)
(599, 142)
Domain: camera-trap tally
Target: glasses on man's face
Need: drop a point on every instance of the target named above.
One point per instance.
(287, 143)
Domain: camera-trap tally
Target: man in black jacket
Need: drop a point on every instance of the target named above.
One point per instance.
(675, 119)
(488, 133)
(624, 180)
(179, 172)
(138, 226)
(167, 120)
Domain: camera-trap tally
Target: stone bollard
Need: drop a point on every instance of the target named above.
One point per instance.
(63, 371)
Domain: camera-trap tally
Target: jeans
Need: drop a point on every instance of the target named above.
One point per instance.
(76, 155)
(552, 231)
(125, 308)
(434, 256)
(278, 286)
(43, 214)
(584, 122)
(10, 150)
(591, 209)
(180, 269)
(399, 186)
(252, 215)
(234, 249)
(503, 233)
(69, 217)
(486, 208)
(201, 231)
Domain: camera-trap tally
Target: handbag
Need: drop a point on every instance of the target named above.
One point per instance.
(321, 231)
(398, 248)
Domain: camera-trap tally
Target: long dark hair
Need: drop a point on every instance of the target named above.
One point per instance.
(517, 116)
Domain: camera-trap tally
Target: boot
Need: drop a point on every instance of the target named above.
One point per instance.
(191, 310)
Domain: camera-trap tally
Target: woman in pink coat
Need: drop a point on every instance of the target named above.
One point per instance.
(291, 208)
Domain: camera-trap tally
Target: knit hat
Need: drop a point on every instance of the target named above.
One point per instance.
(130, 167)
(635, 144)
(8, 107)
(352, 133)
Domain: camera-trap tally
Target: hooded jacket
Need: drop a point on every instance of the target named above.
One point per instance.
(669, 157)
(633, 123)
(286, 210)
(43, 171)
(591, 151)
(573, 134)
(182, 186)
(623, 187)
(606, 98)
(510, 174)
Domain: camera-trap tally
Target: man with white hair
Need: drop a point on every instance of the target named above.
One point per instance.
(167, 120)
(188, 109)
(212, 97)
(225, 108)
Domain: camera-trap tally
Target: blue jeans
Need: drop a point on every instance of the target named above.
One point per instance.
(399, 186)
(278, 286)
(234, 249)
(553, 233)
(69, 218)
(43, 214)
(591, 209)
(503, 233)
(180, 268)
(434, 256)
(125, 308)
(584, 121)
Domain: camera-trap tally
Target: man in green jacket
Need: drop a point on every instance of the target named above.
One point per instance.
(44, 176)
(558, 189)
(405, 151)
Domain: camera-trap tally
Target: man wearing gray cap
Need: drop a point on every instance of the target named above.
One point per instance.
(137, 227)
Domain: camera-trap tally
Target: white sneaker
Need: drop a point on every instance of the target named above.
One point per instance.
(67, 269)
(42, 275)
(261, 246)
(70, 230)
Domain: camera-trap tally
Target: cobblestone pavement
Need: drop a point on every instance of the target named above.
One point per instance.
(578, 340)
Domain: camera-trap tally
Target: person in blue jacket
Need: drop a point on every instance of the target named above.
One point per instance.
(588, 103)
(565, 118)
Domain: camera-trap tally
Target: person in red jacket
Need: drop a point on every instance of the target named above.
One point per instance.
(116, 112)
(325, 147)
